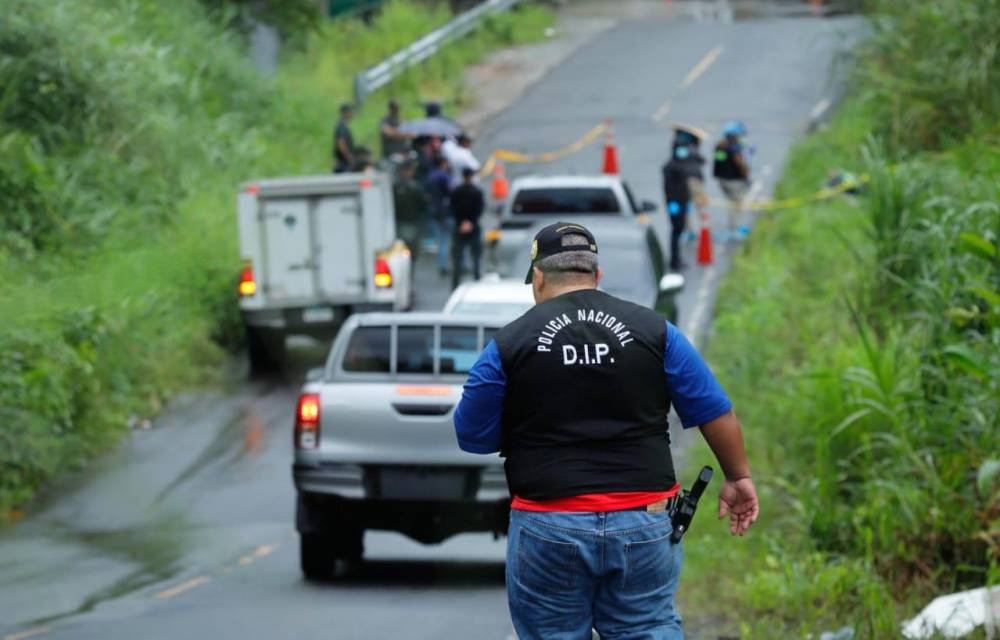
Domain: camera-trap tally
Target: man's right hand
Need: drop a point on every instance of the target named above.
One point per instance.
(739, 499)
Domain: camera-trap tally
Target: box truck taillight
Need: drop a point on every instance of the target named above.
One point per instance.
(307, 421)
(247, 286)
(383, 275)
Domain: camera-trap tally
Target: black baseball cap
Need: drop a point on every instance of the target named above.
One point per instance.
(548, 242)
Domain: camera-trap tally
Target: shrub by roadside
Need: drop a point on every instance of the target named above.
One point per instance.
(117, 238)
(861, 342)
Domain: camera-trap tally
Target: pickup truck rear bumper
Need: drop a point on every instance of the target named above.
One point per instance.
(333, 496)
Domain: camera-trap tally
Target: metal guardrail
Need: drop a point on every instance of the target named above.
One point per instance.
(371, 80)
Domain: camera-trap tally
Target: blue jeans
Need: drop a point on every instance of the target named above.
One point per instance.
(615, 572)
(441, 230)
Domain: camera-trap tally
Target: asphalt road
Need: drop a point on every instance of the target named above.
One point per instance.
(187, 529)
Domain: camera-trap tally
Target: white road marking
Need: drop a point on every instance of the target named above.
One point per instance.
(819, 108)
(696, 71)
(701, 67)
(259, 552)
(663, 111)
(183, 587)
(755, 189)
(701, 304)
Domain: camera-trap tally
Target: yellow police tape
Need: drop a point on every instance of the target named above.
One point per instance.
(825, 193)
(591, 136)
(516, 157)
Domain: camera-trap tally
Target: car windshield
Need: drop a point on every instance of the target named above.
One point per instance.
(566, 200)
(496, 309)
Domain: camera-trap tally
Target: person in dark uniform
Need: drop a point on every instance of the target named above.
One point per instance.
(575, 394)
(731, 169)
(343, 141)
(412, 206)
(683, 185)
(467, 204)
(394, 141)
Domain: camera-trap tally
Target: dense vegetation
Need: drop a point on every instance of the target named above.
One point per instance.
(125, 128)
(861, 340)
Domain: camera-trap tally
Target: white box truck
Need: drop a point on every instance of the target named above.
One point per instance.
(316, 249)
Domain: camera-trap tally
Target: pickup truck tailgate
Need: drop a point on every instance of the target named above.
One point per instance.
(391, 423)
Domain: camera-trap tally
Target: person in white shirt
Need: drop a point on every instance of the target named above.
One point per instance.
(459, 155)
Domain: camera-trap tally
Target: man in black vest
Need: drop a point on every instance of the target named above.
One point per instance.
(683, 185)
(575, 394)
(731, 168)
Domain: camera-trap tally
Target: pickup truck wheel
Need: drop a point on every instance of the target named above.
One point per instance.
(349, 544)
(317, 556)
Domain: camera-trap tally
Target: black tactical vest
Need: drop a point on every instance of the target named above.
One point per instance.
(724, 164)
(586, 402)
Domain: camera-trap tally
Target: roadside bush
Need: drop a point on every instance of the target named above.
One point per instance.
(931, 72)
(126, 127)
(860, 339)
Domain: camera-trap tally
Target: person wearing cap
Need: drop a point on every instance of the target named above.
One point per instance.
(394, 141)
(467, 204)
(575, 395)
(683, 185)
(731, 169)
(343, 141)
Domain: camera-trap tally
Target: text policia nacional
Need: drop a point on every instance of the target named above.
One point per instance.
(587, 353)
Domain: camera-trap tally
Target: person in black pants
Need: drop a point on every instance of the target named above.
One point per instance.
(683, 185)
(467, 204)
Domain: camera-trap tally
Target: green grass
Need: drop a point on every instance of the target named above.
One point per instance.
(860, 341)
(125, 128)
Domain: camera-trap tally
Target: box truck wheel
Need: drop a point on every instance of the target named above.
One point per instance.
(265, 349)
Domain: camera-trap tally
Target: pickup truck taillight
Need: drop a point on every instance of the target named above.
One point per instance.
(383, 274)
(247, 286)
(307, 421)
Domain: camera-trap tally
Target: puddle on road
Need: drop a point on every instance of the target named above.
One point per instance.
(153, 549)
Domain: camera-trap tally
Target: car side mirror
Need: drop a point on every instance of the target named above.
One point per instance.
(647, 206)
(315, 375)
(671, 283)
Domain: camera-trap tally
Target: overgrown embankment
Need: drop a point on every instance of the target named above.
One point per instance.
(860, 339)
(125, 128)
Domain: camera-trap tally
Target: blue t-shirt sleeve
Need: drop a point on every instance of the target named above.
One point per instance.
(479, 413)
(695, 393)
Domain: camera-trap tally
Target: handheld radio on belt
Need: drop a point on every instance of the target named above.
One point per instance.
(688, 504)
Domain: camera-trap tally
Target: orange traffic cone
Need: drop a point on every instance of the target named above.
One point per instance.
(500, 187)
(610, 155)
(705, 246)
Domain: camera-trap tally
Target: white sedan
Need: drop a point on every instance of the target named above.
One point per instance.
(492, 296)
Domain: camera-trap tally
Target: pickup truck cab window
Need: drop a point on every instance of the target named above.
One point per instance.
(368, 351)
(566, 200)
(459, 349)
(415, 350)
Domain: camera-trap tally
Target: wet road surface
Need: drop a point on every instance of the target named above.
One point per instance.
(187, 529)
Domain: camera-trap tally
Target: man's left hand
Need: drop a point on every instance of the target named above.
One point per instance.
(739, 499)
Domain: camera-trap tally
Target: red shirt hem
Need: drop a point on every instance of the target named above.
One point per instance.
(596, 502)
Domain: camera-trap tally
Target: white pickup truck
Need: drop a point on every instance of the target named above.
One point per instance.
(315, 249)
(536, 199)
(375, 444)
